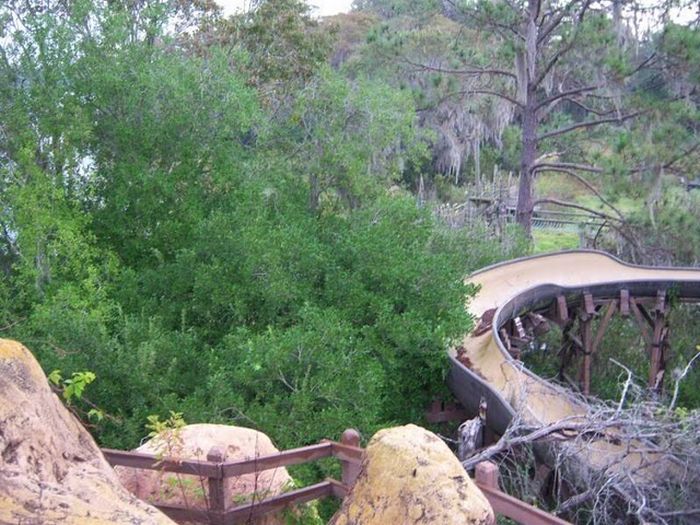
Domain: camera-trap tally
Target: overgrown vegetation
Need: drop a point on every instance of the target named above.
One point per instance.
(233, 218)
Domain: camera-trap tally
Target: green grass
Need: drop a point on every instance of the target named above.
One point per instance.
(554, 240)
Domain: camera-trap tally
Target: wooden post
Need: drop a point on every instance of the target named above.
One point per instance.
(217, 492)
(350, 470)
(624, 303)
(586, 326)
(486, 474)
(562, 310)
(657, 341)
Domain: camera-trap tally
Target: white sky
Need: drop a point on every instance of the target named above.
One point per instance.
(323, 7)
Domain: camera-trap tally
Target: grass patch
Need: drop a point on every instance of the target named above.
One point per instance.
(554, 240)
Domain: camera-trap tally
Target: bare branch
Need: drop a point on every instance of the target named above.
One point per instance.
(567, 204)
(568, 93)
(589, 124)
(567, 165)
(682, 375)
(590, 187)
(475, 71)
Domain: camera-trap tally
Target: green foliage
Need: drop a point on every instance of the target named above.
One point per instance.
(163, 234)
(73, 387)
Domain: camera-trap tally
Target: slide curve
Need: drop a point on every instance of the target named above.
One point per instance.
(515, 286)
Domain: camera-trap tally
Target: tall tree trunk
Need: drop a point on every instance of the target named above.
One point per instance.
(528, 89)
(523, 212)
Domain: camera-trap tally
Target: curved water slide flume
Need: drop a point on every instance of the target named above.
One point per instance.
(513, 287)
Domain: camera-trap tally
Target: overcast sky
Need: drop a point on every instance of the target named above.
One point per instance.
(323, 7)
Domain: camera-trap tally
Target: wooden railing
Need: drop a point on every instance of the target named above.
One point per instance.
(486, 477)
(220, 512)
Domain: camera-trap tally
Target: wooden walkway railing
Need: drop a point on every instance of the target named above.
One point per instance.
(220, 512)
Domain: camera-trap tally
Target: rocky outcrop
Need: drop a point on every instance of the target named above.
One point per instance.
(51, 470)
(410, 476)
(195, 442)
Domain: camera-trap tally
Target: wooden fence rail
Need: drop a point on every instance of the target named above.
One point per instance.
(217, 470)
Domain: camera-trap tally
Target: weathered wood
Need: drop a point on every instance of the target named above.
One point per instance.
(339, 490)
(656, 350)
(624, 303)
(641, 322)
(610, 310)
(505, 338)
(347, 452)
(588, 305)
(517, 510)
(562, 309)
(122, 458)
(182, 514)
(539, 323)
(350, 441)
(440, 412)
(282, 459)
(587, 340)
(217, 494)
(243, 513)
(518, 328)
(660, 306)
(486, 474)
(645, 313)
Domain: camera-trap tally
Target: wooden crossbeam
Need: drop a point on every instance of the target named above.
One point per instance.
(645, 313)
(641, 322)
(603, 326)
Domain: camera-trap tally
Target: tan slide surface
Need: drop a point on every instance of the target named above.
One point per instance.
(537, 400)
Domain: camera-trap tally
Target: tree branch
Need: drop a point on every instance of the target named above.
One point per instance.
(566, 204)
(589, 124)
(591, 188)
(568, 165)
(472, 72)
(569, 93)
(495, 94)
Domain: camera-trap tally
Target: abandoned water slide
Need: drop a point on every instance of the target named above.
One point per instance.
(587, 283)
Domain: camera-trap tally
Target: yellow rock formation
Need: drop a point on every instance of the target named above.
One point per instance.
(409, 476)
(52, 471)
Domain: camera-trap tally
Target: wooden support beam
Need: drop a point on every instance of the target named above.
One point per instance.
(562, 310)
(655, 368)
(660, 306)
(641, 322)
(540, 324)
(589, 307)
(518, 329)
(587, 339)
(217, 492)
(505, 338)
(624, 303)
(603, 326)
(645, 313)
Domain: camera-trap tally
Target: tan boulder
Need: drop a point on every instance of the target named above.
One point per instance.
(409, 475)
(194, 442)
(51, 470)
